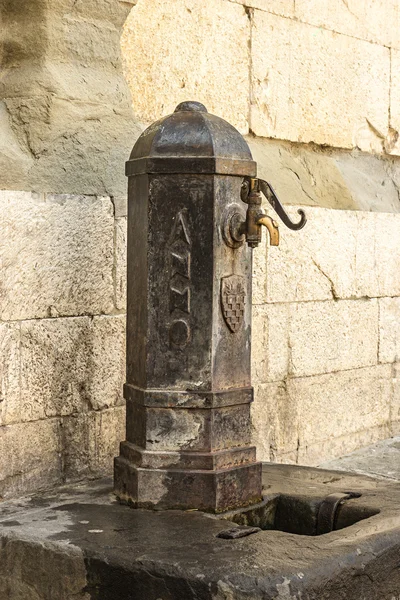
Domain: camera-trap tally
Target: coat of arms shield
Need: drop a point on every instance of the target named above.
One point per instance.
(233, 299)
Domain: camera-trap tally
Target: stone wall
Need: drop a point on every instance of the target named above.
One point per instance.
(315, 88)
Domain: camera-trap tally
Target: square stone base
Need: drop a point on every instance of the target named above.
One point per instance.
(208, 490)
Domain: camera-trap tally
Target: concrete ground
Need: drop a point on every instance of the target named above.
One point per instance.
(380, 460)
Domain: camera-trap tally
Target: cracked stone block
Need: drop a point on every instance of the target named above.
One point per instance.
(213, 36)
(270, 342)
(284, 8)
(332, 336)
(71, 365)
(30, 456)
(56, 255)
(10, 407)
(376, 21)
(120, 263)
(389, 330)
(339, 255)
(297, 71)
(91, 441)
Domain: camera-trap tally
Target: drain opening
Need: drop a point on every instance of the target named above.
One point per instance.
(305, 515)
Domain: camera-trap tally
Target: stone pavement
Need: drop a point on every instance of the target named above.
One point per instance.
(380, 460)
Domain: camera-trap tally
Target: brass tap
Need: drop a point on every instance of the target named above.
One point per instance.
(255, 218)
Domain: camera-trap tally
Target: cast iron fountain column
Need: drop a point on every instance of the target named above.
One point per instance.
(188, 387)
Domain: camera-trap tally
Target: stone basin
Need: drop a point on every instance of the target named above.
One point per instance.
(77, 542)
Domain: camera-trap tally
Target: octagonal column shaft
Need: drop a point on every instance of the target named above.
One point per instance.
(188, 390)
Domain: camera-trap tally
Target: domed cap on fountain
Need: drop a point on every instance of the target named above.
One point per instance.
(191, 140)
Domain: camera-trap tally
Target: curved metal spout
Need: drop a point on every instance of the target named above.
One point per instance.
(269, 192)
(272, 227)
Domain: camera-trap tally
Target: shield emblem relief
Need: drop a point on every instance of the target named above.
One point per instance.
(233, 300)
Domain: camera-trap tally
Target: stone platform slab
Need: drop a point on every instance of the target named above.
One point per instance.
(77, 543)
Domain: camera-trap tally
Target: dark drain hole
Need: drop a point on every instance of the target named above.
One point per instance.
(304, 515)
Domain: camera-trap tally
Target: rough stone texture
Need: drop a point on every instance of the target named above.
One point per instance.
(67, 122)
(207, 61)
(389, 330)
(306, 419)
(292, 97)
(393, 145)
(84, 545)
(56, 255)
(91, 441)
(270, 347)
(278, 7)
(10, 409)
(376, 21)
(332, 336)
(120, 263)
(339, 255)
(328, 178)
(72, 365)
(30, 456)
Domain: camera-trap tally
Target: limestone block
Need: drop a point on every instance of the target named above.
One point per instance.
(377, 21)
(342, 403)
(395, 408)
(120, 263)
(298, 69)
(91, 441)
(393, 143)
(30, 456)
(71, 365)
(270, 347)
(389, 330)
(331, 336)
(275, 422)
(56, 255)
(278, 7)
(10, 409)
(387, 253)
(337, 447)
(207, 60)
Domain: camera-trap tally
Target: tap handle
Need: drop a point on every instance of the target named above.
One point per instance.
(273, 199)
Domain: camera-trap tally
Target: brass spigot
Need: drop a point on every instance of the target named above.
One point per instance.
(236, 228)
(255, 218)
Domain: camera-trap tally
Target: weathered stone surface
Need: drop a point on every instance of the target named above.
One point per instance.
(278, 7)
(328, 178)
(120, 263)
(275, 423)
(71, 365)
(30, 456)
(213, 37)
(393, 143)
(67, 114)
(336, 447)
(292, 96)
(309, 419)
(389, 330)
(376, 21)
(331, 336)
(395, 407)
(56, 255)
(337, 255)
(270, 342)
(91, 441)
(387, 253)
(10, 407)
